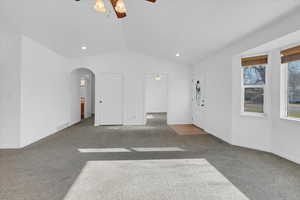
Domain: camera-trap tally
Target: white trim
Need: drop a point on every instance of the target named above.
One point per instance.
(133, 124)
(253, 114)
(246, 55)
(179, 123)
(290, 119)
(284, 94)
(287, 156)
(283, 91)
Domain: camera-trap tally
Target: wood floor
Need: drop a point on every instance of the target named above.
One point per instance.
(187, 129)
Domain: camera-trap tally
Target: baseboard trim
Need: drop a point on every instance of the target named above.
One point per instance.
(179, 123)
(288, 157)
(280, 155)
(48, 136)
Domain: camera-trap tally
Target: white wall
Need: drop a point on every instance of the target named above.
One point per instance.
(134, 67)
(10, 52)
(223, 74)
(44, 92)
(156, 99)
(285, 135)
(249, 131)
(217, 95)
(38, 103)
(74, 97)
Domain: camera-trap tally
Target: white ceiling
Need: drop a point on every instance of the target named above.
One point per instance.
(287, 41)
(195, 28)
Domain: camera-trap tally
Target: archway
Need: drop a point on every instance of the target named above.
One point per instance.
(82, 85)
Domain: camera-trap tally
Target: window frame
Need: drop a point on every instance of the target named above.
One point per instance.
(243, 88)
(284, 78)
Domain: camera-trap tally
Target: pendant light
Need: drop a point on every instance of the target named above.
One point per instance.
(99, 6)
(120, 6)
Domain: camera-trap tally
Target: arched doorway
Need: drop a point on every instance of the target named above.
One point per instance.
(82, 85)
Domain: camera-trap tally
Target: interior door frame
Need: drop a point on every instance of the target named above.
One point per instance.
(202, 109)
(98, 99)
(145, 92)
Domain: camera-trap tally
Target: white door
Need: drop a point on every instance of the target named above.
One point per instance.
(109, 108)
(198, 100)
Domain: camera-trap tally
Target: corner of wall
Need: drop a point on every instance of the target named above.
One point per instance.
(10, 88)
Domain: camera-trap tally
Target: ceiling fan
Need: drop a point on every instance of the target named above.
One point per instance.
(118, 5)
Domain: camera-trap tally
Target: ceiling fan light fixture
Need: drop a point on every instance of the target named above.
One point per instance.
(99, 6)
(120, 6)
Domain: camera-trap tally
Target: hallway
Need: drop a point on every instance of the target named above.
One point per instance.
(48, 169)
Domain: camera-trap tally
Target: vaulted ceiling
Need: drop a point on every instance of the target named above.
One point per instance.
(194, 28)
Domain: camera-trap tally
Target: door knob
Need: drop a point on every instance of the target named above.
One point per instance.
(100, 101)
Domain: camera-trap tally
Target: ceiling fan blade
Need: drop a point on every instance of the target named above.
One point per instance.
(119, 15)
(153, 1)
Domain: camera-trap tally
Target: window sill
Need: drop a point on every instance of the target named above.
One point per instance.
(249, 114)
(291, 119)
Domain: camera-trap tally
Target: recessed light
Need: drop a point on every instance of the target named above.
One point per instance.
(84, 48)
(177, 54)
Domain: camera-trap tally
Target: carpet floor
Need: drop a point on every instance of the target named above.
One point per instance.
(53, 167)
(192, 179)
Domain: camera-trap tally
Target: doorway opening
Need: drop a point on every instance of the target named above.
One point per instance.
(198, 109)
(156, 99)
(83, 95)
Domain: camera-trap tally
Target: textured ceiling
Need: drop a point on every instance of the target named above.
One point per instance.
(195, 28)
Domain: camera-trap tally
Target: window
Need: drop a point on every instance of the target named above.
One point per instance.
(253, 85)
(290, 93)
(293, 89)
(253, 89)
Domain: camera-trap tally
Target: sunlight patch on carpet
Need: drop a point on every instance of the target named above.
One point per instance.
(157, 149)
(138, 149)
(133, 128)
(104, 150)
(192, 179)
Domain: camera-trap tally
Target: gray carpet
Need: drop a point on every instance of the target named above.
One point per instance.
(192, 179)
(48, 169)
